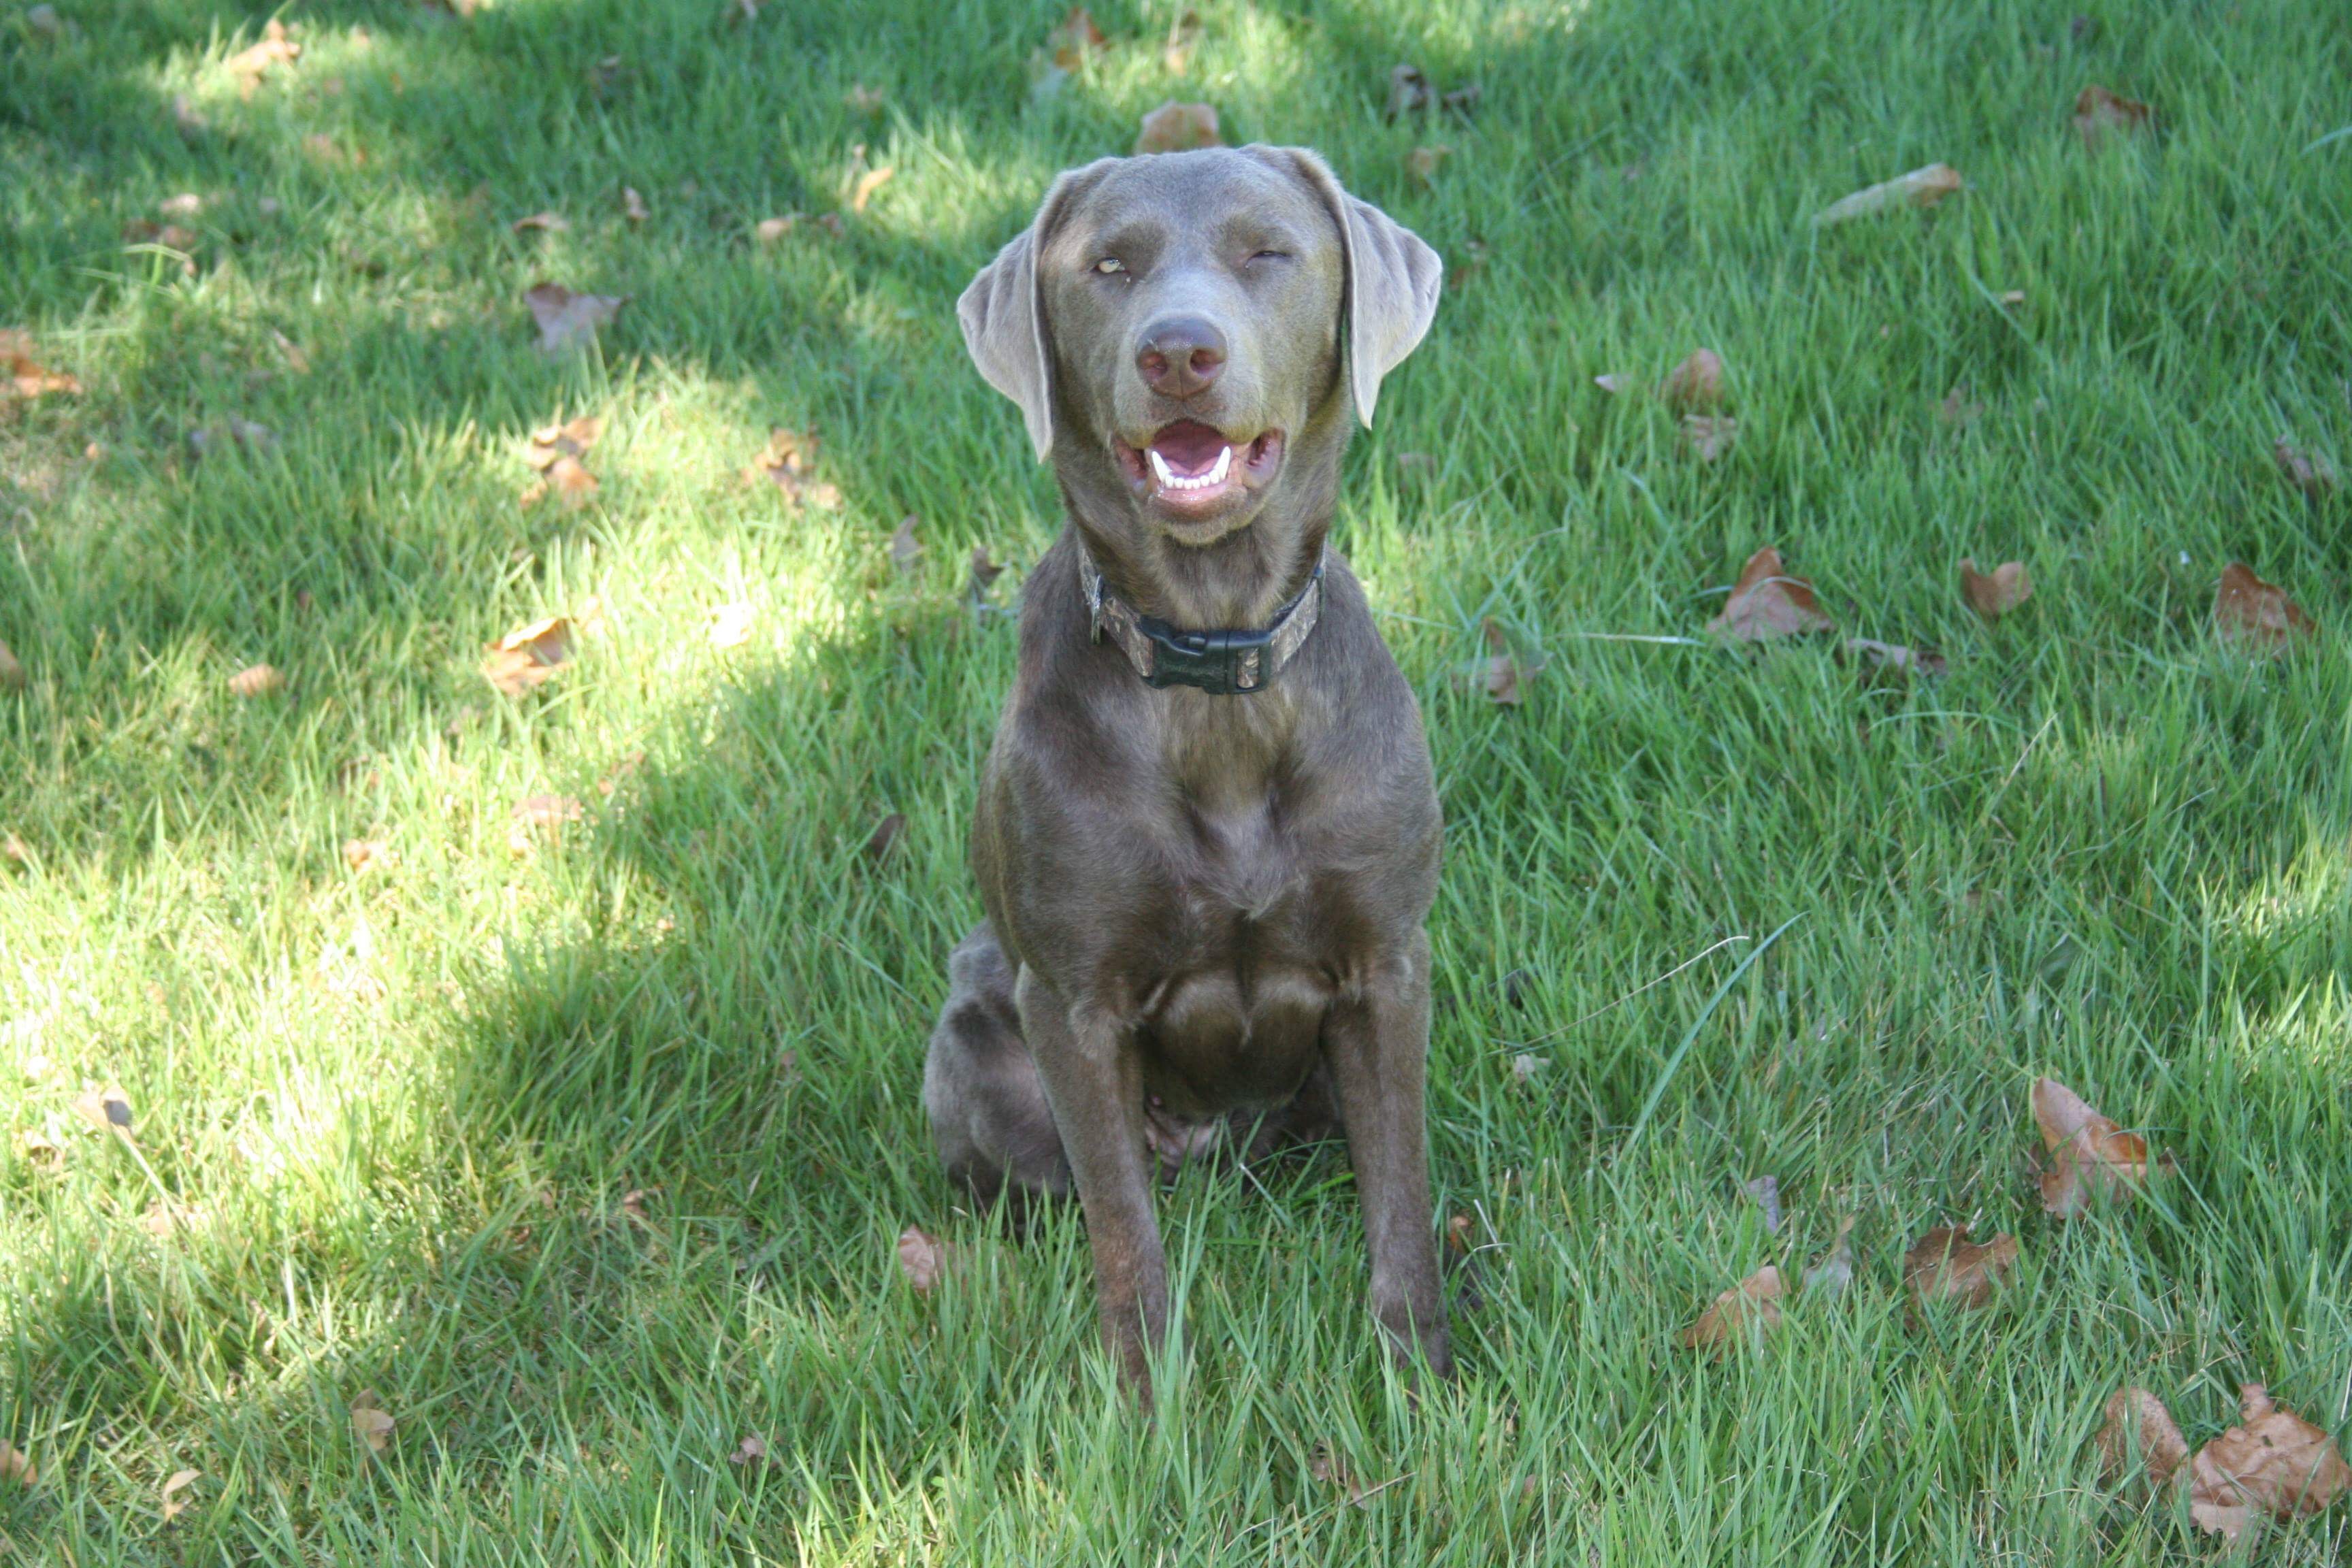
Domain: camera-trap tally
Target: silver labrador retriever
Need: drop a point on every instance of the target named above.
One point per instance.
(1207, 835)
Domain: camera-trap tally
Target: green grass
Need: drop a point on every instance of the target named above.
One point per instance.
(403, 1110)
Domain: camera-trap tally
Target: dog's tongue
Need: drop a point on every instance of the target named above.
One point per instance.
(1189, 448)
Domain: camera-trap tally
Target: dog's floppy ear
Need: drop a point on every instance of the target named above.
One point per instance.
(1003, 314)
(1392, 280)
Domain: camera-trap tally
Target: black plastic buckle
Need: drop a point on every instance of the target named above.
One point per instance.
(1221, 663)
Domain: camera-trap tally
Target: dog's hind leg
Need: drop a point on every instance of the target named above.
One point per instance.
(989, 1117)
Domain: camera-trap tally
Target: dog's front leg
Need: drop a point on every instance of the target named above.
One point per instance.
(1094, 1081)
(1376, 1043)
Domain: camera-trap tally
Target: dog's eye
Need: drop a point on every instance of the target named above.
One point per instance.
(1269, 256)
(1109, 264)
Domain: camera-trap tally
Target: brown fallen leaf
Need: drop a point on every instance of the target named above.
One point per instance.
(2140, 1430)
(863, 100)
(1947, 1266)
(359, 854)
(1408, 92)
(2314, 475)
(256, 680)
(250, 65)
(526, 657)
(1076, 40)
(633, 205)
(1462, 100)
(1922, 187)
(1833, 1270)
(752, 1450)
(540, 819)
(297, 358)
(1768, 601)
(922, 1258)
(2091, 1159)
(1896, 658)
(541, 223)
(107, 1108)
(2099, 113)
(39, 1151)
(569, 439)
(2276, 1465)
(985, 571)
(11, 674)
(1993, 594)
(566, 320)
(868, 182)
(15, 1465)
(1420, 164)
(179, 1481)
(371, 1421)
(906, 550)
(2256, 615)
(566, 479)
(1176, 127)
(1709, 436)
(1746, 1311)
(1457, 1233)
(785, 461)
(27, 377)
(1505, 673)
(885, 837)
(1697, 383)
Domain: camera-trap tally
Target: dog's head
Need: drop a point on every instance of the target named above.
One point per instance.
(1184, 332)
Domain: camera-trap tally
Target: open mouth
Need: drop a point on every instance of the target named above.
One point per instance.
(1192, 469)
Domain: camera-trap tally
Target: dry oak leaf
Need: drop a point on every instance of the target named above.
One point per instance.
(1835, 1270)
(1697, 383)
(2314, 475)
(372, 1421)
(107, 1108)
(2276, 1464)
(540, 817)
(2255, 614)
(528, 655)
(752, 1450)
(15, 1465)
(2098, 113)
(1896, 658)
(1922, 187)
(1766, 602)
(1420, 164)
(1747, 1311)
(569, 439)
(1076, 40)
(1947, 1266)
(922, 1258)
(250, 65)
(1994, 594)
(257, 680)
(567, 478)
(359, 854)
(906, 550)
(868, 182)
(1408, 92)
(2091, 1157)
(1709, 436)
(566, 320)
(11, 674)
(543, 223)
(1504, 673)
(2139, 1427)
(1176, 127)
(179, 1481)
(27, 377)
(785, 461)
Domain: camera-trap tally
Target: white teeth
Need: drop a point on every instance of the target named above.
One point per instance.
(1169, 480)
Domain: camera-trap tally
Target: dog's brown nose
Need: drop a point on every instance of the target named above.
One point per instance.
(1181, 355)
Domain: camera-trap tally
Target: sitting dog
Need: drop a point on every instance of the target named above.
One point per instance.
(1207, 835)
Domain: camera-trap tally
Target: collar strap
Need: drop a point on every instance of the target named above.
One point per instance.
(1223, 663)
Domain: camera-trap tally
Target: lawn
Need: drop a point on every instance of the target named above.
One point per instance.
(579, 1144)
